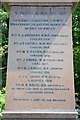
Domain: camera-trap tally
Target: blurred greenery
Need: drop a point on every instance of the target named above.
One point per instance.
(2, 100)
(76, 46)
(4, 16)
(76, 53)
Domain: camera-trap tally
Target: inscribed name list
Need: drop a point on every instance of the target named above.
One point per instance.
(40, 68)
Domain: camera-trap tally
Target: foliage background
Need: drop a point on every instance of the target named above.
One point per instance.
(4, 27)
(76, 46)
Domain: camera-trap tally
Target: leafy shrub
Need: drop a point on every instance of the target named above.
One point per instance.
(2, 100)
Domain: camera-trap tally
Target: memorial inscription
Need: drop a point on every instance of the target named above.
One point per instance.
(40, 46)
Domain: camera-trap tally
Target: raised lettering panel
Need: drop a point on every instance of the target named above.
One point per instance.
(40, 72)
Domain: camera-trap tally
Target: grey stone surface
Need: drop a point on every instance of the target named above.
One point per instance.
(14, 96)
(39, 116)
(40, 119)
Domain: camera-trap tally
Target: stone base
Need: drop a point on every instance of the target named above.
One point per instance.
(39, 116)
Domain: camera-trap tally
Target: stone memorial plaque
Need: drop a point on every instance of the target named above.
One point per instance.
(40, 63)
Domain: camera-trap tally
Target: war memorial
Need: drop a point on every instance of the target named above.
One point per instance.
(40, 78)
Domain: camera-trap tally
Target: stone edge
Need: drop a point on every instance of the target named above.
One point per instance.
(36, 115)
(8, 4)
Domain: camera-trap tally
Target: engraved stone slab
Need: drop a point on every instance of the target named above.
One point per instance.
(40, 63)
